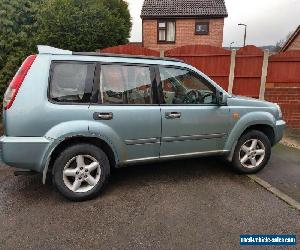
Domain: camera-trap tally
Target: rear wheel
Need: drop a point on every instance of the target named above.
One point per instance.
(81, 171)
(252, 152)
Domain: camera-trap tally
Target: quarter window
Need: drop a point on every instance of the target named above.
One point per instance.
(166, 31)
(181, 86)
(71, 81)
(122, 84)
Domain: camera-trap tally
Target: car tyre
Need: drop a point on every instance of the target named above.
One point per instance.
(252, 152)
(81, 171)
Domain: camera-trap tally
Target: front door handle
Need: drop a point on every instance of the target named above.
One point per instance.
(173, 115)
(103, 116)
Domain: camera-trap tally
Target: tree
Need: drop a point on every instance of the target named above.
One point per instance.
(79, 25)
(83, 25)
(281, 42)
(16, 29)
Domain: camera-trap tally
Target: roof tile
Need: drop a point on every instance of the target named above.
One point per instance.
(184, 8)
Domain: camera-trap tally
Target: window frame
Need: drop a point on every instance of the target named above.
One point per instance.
(205, 81)
(166, 31)
(96, 84)
(201, 23)
(88, 86)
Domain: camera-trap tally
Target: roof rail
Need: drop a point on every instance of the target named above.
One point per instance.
(43, 49)
(54, 51)
(127, 56)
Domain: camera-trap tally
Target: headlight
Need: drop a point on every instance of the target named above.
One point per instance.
(279, 111)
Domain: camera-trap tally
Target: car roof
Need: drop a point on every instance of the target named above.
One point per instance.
(55, 51)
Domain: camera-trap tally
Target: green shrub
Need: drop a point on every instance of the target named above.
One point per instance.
(78, 25)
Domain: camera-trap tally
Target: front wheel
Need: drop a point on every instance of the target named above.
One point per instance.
(252, 152)
(80, 172)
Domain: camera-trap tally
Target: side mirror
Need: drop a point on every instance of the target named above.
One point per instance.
(221, 98)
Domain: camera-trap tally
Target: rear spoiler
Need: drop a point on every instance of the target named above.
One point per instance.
(43, 49)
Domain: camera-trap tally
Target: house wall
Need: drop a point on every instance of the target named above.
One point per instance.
(295, 45)
(185, 34)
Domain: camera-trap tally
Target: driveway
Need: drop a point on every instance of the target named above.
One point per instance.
(187, 204)
(283, 171)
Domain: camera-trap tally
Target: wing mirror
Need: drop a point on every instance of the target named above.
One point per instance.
(221, 98)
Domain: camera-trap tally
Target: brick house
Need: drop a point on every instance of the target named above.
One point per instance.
(293, 43)
(172, 23)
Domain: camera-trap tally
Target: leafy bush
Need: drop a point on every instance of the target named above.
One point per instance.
(79, 25)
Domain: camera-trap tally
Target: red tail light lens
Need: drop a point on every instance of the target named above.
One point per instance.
(15, 84)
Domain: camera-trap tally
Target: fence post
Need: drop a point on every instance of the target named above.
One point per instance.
(162, 53)
(232, 68)
(264, 73)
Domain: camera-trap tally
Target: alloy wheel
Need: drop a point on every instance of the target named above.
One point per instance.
(252, 153)
(81, 173)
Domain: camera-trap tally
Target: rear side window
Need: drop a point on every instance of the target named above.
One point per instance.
(123, 84)
(71, 82)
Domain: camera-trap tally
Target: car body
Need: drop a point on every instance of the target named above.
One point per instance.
(167, 110)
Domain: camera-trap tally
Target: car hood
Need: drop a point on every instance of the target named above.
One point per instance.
(248, 101)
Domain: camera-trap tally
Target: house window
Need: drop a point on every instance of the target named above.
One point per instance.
(202, 28)
(166, 31)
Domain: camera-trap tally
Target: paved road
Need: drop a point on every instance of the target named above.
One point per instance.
(190, 204)
(283, 172)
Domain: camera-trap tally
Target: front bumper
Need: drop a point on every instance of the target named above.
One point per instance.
(24, 152)
(279, 130)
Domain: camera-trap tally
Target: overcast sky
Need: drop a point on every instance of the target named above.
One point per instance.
(268, 20)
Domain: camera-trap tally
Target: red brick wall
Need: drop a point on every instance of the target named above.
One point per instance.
(185, 34)
(287, 96)
(295, 45)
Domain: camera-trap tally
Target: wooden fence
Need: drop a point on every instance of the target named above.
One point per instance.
(131, 50)
(213, 61)
(283, 85)
(248, 71)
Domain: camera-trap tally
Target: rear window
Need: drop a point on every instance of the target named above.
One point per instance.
(71, 81)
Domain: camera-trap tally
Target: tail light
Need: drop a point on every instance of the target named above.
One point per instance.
(15, 84)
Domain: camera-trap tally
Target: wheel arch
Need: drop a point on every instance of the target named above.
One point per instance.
(258, 120)
(264, 128)
(67, 142)
(267, 129)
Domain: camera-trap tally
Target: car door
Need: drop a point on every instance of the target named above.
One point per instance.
(125, 110)
(192, 121)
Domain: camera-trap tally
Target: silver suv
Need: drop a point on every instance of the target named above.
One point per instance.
(74, 116)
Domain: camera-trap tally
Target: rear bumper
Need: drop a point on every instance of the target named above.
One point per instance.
(24, 152)
(279, 130)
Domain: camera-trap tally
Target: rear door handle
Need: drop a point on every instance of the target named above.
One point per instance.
(173, 115)
(103, 116)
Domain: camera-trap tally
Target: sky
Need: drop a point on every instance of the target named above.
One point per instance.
(268, 21)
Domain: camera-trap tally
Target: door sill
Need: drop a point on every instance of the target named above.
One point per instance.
(172, 157)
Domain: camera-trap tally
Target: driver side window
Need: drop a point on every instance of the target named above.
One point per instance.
(181, 86)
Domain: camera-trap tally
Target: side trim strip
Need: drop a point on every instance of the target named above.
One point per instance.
(194, 154)
(142, 141)
(192, 137)
(142, 159)
(173, 138)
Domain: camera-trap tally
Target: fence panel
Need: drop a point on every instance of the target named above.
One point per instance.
(248, 70)
(213, 61)
(283, 85)
(283, 78)
(131, 50)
